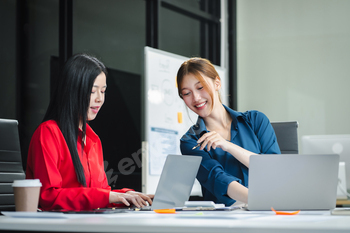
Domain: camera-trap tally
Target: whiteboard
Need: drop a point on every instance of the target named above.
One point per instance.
(166, 117)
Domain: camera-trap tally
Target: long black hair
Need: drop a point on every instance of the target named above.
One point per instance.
(70, 102)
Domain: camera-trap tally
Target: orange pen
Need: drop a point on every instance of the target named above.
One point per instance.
(165, 211)
(285, 213)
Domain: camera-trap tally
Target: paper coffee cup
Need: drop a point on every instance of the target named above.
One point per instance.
(26, 194)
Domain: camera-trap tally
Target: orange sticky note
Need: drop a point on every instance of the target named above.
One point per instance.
(165, 211)
(179, 117)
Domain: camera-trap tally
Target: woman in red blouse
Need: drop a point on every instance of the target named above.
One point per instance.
(65, 153)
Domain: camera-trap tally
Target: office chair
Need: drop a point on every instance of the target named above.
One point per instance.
(287, 136)
(10, 162)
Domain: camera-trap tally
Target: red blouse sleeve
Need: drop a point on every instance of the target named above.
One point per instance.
(49, 160)
(123, 190)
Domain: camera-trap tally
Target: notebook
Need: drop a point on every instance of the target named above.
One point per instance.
(176, 181)
(293, 182)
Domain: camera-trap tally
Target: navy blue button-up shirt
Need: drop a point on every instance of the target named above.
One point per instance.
(251, 130)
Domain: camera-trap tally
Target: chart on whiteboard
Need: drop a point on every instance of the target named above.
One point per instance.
(162, 143)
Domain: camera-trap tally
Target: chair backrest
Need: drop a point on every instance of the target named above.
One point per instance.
(10, 162)
(287, 136)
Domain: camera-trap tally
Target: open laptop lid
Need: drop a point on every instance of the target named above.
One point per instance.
(329, 144)
(10, 153)
(176, 181)
(293, 182)
(9, 139)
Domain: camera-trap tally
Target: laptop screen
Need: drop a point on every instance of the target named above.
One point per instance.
(332, 144)
(176, 181)
(293, 182)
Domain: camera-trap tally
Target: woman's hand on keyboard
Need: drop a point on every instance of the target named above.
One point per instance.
(126, 199)
(136, 198)
(145, 197)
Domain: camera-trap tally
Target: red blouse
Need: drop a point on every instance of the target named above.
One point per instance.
(50, 161)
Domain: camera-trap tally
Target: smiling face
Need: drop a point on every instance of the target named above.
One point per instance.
(196, 96)
(97, 96)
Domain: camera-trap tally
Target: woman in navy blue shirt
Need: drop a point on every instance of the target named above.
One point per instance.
(228, 137)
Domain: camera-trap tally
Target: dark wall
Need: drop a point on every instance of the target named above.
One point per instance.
(119, 127)
(8, 59)
(29, 37)
(112, 30)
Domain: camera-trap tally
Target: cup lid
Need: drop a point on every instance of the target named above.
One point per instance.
(26, 183)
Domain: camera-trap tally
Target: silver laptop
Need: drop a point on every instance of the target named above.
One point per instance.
(10, 162)
(293, 182)
(332, 144)
(176, 181)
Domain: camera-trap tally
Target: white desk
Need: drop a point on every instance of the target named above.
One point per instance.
(183, 222)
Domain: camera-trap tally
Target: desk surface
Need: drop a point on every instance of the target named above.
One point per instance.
(235, 221)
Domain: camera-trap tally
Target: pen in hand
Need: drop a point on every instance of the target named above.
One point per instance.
(199, 144)
(196, 146)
